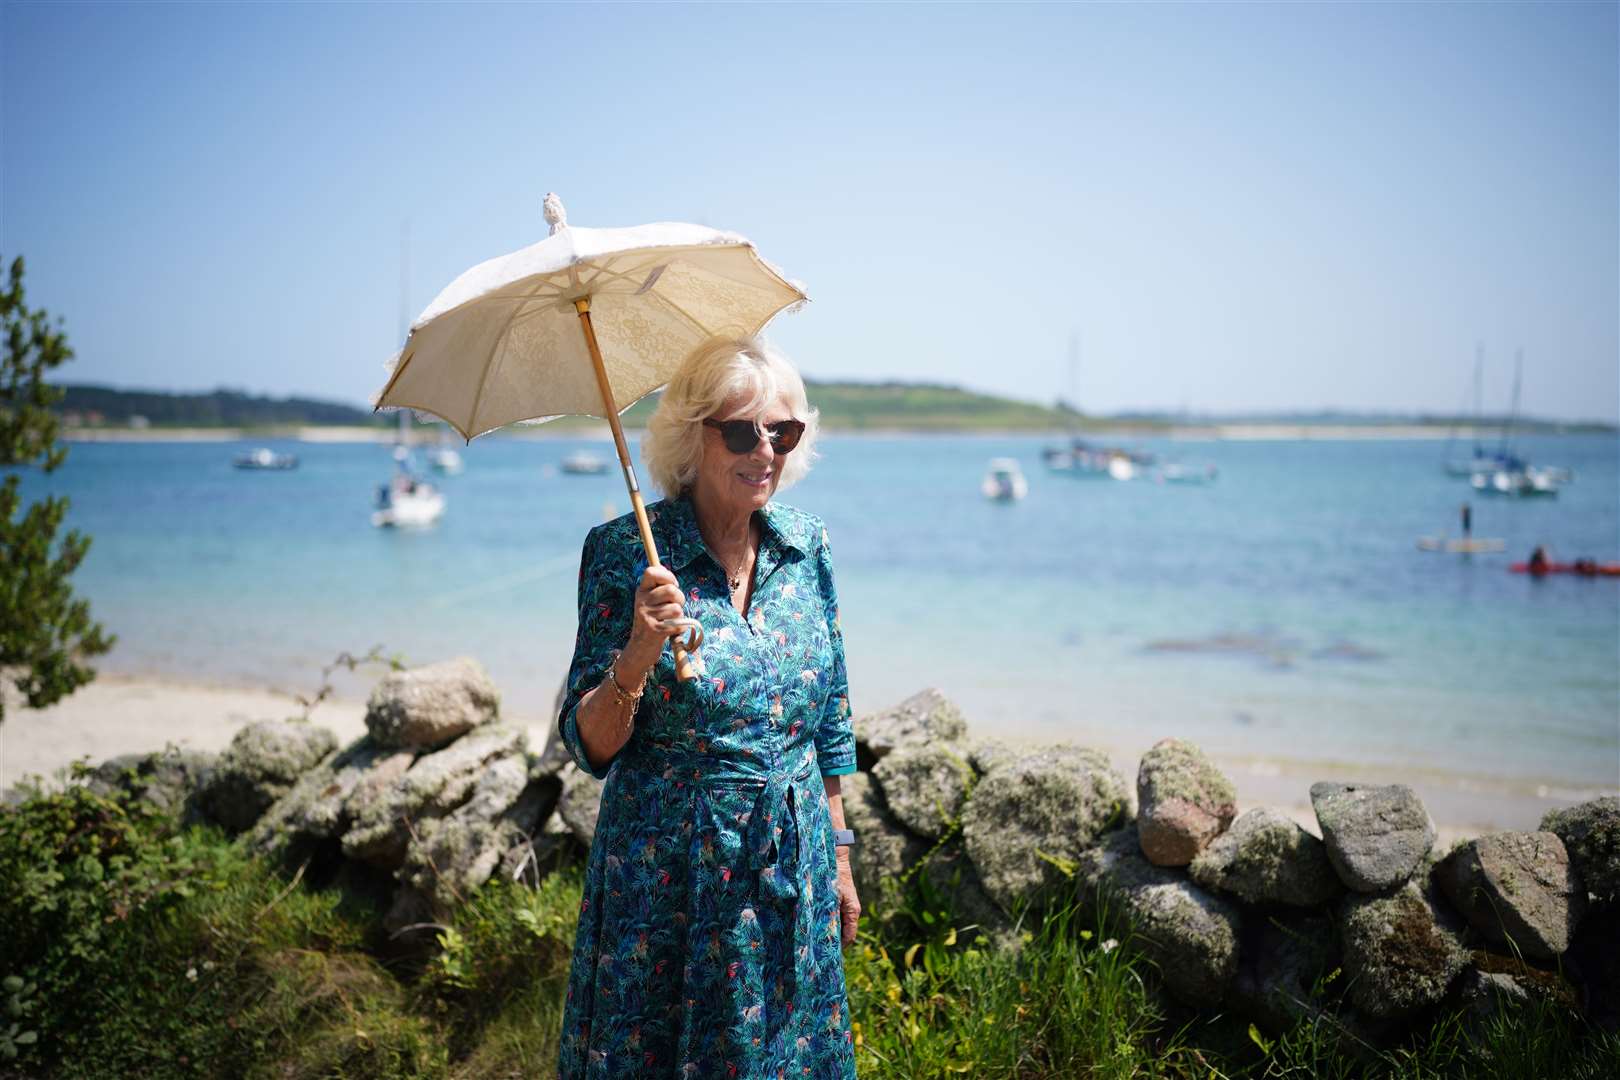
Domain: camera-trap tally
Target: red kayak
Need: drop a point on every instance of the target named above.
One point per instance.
(1608, 569)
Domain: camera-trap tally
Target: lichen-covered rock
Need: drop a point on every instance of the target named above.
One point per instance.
(1401, 950)
(168, 779)
(1190, 935)
(533, 857)
(1280, 959)
(580, 803)
(1183, 802)
(985, 754)
(884, 849)
(451, 856)
(977, 916)
(1591, 835)
(432, 787)
(555, 756)
(922, 719)
(1044, 809)
(1376, 836)
(1516, 888)
(261, 765)
(318, 805)
(925, 786)
(1485, 995)
(428, 706)
(1266, 858)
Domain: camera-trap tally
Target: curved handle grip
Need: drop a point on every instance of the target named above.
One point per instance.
(685, 646)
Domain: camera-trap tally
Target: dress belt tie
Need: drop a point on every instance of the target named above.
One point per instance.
(774, 839)
(772, 836)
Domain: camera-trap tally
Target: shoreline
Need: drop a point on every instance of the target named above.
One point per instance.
(1213, 432)
(122, 713)
(129, 713)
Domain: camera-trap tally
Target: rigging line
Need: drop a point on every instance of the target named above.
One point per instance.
(495, 585)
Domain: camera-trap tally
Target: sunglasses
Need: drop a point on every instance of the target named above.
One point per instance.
(741, 436)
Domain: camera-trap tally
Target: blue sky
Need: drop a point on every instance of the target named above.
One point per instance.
(1232, 206)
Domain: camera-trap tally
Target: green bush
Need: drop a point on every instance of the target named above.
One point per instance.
(79, 868)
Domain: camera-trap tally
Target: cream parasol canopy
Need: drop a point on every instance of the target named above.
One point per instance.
(585, 322)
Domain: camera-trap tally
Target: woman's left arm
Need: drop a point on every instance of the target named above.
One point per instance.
(849, 904)
(835, 742)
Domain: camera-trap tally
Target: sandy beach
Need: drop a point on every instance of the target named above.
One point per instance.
(120, 714)
(124, 714)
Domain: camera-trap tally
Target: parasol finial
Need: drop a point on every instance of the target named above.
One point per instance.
(556, 216)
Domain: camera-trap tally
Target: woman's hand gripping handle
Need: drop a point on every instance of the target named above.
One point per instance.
(659, 615)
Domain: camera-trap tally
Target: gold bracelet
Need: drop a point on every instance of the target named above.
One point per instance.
(622, 696)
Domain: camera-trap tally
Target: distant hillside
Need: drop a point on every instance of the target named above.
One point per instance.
(844, 406)
(93, 405)
(1348, 419)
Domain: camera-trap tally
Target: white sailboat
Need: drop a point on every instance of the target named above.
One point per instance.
(444, 458)
(1511, 475)
(406, 501)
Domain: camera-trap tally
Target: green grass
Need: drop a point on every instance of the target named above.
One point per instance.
(237, 969)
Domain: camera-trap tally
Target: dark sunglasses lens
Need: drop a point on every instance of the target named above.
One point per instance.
(785, 435)
(739, 435)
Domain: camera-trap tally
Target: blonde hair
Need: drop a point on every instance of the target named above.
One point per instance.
(710, 375)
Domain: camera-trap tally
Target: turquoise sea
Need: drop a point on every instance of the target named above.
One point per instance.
(1284, 610)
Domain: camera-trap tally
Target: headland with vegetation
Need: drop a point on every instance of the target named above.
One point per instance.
(102, 412)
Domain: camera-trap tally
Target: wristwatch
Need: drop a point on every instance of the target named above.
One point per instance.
(843, 837)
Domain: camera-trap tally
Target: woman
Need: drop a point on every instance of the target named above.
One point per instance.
(718, 890)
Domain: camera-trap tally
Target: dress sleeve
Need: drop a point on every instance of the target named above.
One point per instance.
(604, 624)
(835, 733)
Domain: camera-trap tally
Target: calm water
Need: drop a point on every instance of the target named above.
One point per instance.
(1284, 610)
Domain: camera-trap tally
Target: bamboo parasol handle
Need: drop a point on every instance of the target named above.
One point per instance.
(693, 631)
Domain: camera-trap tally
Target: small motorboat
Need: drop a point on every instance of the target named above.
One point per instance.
(1004, 482)
(446, 460)
(265, 459)
(584, 463)
(406, 502)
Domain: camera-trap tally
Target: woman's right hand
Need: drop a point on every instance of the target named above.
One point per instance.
(658, 601)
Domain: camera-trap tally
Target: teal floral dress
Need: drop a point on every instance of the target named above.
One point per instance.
(709, 934)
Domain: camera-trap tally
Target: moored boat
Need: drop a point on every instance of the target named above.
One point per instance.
(584, 463)
(265, 459)
(1004, 482)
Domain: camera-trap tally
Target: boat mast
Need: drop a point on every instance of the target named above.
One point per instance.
(1513, 412)
(404, 314)
(1074, 381)
(1479, 376)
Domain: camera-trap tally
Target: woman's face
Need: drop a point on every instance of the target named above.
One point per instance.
(740, 483)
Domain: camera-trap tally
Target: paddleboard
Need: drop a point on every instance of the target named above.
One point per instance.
(1460, 547)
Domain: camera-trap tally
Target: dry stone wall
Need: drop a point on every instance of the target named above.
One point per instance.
(1249, 913)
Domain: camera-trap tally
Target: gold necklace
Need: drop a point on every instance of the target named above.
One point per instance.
(735, 578)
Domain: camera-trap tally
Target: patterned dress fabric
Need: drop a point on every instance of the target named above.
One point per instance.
(709, 936)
